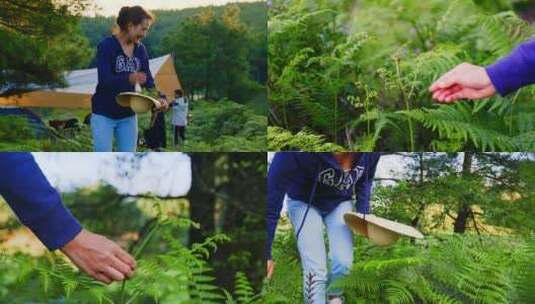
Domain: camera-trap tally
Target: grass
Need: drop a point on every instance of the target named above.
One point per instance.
(215, 126)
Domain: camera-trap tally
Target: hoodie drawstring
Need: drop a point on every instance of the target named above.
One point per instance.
(316, 181)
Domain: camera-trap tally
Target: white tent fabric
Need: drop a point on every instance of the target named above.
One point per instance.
(81, 85)
(85, 81)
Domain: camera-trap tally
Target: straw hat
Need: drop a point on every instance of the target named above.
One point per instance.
(380, 231)
(138, 102)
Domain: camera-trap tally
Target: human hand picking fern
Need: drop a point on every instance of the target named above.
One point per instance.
(38, 206)
(467, 81)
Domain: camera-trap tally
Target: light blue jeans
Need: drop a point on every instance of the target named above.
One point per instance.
(317, 278)
(104, 129)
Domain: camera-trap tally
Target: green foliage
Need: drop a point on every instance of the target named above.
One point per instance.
(225, 126)
(244, 293)
(211, 55)
(151, 93)
(17, 134)
(15, 127)
(282, 140)
(103, 210)
(493, 190)
(172, 274)
(286, 283)
(358, 74)
(216, 126)
(44, 40)
(443, 269)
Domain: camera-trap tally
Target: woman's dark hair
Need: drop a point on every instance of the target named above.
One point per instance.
(132, 14)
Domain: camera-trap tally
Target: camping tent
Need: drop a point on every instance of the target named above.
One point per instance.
(81, 85)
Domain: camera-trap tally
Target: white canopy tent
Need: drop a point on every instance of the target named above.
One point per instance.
(81, 85)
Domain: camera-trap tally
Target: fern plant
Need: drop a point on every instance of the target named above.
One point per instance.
(442, 269)
(175, 274)
(359, 77)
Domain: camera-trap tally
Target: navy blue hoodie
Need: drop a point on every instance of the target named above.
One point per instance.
(297, 174)
(114, 67)
(35, 202)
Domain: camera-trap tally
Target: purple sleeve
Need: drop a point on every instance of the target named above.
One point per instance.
(35, 202)
(146, 68)
(106, 78)
(515, 70)
(364, 185)
(279, 178)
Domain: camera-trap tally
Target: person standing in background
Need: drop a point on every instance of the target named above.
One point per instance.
(180, 116)
(155, 135)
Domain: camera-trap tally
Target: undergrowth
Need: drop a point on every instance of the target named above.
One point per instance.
(441, 269)
(175, 274)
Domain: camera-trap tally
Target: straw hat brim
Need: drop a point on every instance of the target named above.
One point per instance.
(379, 230)
(138, 102)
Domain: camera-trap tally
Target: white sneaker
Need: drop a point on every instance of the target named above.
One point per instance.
(336, 300)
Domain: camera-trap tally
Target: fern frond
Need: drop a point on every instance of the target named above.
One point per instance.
(456, 121)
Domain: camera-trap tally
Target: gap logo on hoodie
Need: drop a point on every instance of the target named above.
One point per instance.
(339, 179)
(127, 64)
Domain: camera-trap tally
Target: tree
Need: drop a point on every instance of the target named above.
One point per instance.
(227, 195)
(37, 18)
(202, 195)
(41, 40)
(211, 54)
(462, 192)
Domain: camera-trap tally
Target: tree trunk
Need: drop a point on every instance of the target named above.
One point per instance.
(462, 218)
(421, 160)
(242, 217)
(201, 197)
(465, 208)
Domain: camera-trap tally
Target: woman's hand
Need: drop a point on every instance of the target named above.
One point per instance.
(137, 77)
(465, 81)
(270, 268)
(99, 257)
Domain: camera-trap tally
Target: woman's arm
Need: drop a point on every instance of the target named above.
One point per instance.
(35, 202)
(364, 185)
(145, 68)
(279, 180)
(514, 71)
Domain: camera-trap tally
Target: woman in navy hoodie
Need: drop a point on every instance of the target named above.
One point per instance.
(38, 206)
(467, 81)
(320, 189)
(122, 61)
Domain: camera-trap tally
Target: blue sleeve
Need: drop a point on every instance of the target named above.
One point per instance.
(364, 185)
(146, 68)
(35, 202)
(106, 77)
(514, 71)
(279, 179)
